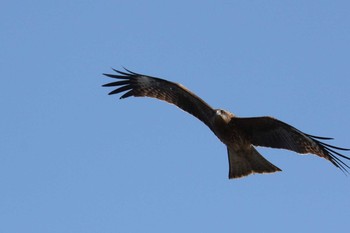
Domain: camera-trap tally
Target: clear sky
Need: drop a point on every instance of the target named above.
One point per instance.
(73, 159)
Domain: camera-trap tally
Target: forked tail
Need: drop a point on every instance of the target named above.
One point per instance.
(249, 161)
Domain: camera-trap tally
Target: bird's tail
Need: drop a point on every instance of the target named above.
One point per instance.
(245, 162)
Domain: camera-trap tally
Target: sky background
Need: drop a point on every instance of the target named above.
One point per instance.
(73, 159)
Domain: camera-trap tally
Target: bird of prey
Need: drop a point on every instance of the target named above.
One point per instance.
(239, 134)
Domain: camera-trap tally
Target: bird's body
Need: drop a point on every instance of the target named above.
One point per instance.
(243, 158)
(240, 135)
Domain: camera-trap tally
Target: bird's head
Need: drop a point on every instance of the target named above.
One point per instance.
(223, 115)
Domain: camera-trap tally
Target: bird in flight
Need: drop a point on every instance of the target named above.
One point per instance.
(240, 134)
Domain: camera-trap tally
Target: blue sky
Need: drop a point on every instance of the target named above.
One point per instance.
(76, 160)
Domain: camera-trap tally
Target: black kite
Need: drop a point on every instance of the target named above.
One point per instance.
(240, 135)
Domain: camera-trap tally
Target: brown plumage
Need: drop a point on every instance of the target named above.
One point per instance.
(240, 135)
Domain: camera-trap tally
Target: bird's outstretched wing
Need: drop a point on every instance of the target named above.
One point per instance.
(270, 132)
(140, 85)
